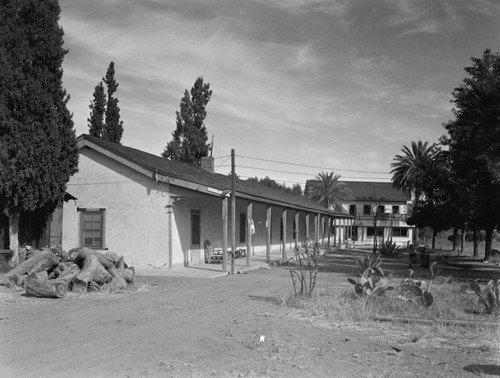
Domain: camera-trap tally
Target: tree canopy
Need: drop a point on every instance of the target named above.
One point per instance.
(104, 121)
(189, 139)
(328, 190)
(460, 177)
(38, 150)
(269, 182)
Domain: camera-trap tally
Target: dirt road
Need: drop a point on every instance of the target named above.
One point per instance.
(223, 327)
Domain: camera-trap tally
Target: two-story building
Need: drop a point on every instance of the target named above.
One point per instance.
(378, 209)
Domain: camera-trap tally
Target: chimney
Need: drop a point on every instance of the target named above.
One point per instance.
(207, 163)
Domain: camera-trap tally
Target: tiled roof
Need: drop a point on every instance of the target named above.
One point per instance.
(196, 175)
(380, 191)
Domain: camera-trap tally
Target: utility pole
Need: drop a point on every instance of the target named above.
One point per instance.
(233, 211)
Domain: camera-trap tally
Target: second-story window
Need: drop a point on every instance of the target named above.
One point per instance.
(381, 209)
(352, 209)
(395, 209)
(366, 210)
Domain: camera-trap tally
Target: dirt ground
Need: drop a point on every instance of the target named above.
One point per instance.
(233, 326)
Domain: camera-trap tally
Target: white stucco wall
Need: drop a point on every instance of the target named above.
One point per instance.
(136, 219)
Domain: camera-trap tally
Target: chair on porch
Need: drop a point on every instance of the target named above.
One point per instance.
(211, 255)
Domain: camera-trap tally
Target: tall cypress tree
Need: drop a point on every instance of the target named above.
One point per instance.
(97, 107)
(104, 121)
(113, 129)
(38, 152)
(189, 139)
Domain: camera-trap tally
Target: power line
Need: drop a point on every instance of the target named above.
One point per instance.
(311, 166)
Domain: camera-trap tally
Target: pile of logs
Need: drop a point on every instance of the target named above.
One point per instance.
(45, 274)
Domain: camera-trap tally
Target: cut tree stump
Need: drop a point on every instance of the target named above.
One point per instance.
(118, 282)
(92, 270)
(67, 275)
(39, 262)
(44, 289)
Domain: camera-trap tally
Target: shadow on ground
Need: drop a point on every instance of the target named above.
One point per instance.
(483, 369)
(343, 262)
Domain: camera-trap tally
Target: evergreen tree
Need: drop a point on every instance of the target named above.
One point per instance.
(189, 139)
(97, 107)
(473, 141)
(104, 121)
(113, 129)
(38, 150)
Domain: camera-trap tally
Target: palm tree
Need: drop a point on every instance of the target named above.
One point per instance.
(409, 169)
(328, 190)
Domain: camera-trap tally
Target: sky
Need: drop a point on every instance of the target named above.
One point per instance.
(299, 86)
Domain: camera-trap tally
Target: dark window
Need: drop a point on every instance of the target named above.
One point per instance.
(395, 209)
(381, 209)
(370, 231)
(294, 229)
(400, 231)
(352, 209)
(92, 228)
(243, 229)
(366, 210)
(195, 228)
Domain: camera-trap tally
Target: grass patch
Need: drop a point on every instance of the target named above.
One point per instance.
(451, 303)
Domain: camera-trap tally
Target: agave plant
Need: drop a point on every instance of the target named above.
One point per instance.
(389, 248)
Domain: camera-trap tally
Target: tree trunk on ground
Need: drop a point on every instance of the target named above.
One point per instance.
(14, 237)
(68, 274)
(92, 270)
(118, 281)
(487, 243)
(44, 289)
(43, 260)
(84, 252)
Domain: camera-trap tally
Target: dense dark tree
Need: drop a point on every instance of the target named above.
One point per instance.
(473, 141)
(113, 128)
(269, 182)
(97, 107)
(104, 121)
(189, 139)
(38, 150)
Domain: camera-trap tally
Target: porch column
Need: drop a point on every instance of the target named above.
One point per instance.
(297, 229)
(307, 226)
(224, 233)
(268, 233)
(316, 229)
(283, 251)
(334, 222)
(329, 229)
(249, 231)
(170, 250)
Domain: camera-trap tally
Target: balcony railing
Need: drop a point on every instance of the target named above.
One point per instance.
(383, 217)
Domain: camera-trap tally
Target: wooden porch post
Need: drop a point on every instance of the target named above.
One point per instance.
(329, 222)
(297, 229)
(249, 231)
(224, 233)
(316, 229)
(307, 225)
(170, 248)
(268, 233)
(283, 250)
